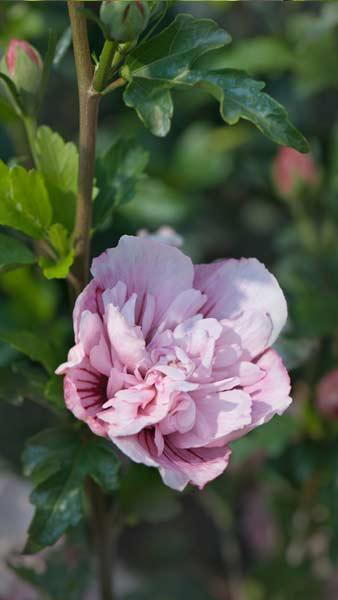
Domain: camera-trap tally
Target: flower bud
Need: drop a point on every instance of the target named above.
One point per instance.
(124, 21)
(327, 394)
(293, 170)
(23, 65)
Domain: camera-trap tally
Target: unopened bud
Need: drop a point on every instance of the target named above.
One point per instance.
(124, 21)
(23, 65)
(293, 170)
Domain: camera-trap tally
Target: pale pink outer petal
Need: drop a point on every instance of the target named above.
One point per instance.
(270, 395)
(237, 286)
(254, 329)
(199, 466)
(89, 299)
(75, 356)
(217, 415)
(177, 467)
(147, 267)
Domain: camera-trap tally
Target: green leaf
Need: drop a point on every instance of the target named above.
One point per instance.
(53, 392)
(169, 60)
(59, 461)
(7, 112)
(58, 269)
(21, 380)
(59, 238)
(24, 201)
(241, 97)
(59, 163)
(32, 345)
(102, 463)
(175, 48)
(153, 103)
(12, 92)
(118, 173)
(14, 253)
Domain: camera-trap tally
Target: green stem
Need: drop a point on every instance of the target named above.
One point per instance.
(104, 68)
(30, 129)
(114, 85)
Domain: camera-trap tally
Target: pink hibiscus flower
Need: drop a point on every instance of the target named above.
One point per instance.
(173, 362)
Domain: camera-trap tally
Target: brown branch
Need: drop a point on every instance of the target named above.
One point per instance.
(88, 104)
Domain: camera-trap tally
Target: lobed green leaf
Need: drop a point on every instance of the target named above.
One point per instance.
(58, 162)
(59, 461)
(172, 60)
(24, 201)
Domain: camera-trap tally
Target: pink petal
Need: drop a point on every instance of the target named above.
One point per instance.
(147, 267)
(129, 346)
(270, 395)
(89, 299)
(177, 467)
(236, 286)
(198, 466)
(100, 357)
(217, 415)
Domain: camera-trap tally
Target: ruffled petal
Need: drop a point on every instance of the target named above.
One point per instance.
(235, 286)
(217, 416)
(147, 267)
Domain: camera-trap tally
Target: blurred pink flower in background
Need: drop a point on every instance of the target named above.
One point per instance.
(173, 362)
(292, 169)
(327, 394)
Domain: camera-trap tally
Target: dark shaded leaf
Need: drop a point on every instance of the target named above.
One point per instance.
(32, 345)
(13, 253)
(118, 173)
(21, 380)
(59, 461)
(169, 60)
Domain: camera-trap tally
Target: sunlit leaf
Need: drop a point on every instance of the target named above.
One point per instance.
(24, 201)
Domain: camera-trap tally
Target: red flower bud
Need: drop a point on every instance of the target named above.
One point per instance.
(12, 55)
(23, 65)
(292, 169)
(327, 394)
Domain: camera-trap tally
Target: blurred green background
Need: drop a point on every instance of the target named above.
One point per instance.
(268, 528)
